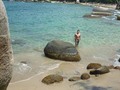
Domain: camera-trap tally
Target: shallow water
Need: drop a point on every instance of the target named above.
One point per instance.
(33, 25)
(38, 23)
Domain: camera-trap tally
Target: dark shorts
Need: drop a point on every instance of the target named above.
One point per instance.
(76, 42)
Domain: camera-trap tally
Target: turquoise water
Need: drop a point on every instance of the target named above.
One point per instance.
(33, 25)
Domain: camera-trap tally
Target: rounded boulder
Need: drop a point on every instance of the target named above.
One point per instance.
(94, 66)
(61, 50)
(85, 76)
(50, 79)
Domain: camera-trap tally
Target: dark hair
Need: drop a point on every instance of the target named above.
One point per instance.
(119, 60)
(78, 30)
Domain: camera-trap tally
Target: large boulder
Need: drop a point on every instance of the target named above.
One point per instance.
(94, 66)
(50, 79)
(5, 50)
(61, 50)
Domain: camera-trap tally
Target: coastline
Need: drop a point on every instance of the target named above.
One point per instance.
(112, 6)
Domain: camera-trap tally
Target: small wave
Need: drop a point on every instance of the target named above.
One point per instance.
(109, 18)
(18, 42)
(116, 12)
(98, 57)
(42, 69)
(27, 78)
(22, 68)
(48, 67)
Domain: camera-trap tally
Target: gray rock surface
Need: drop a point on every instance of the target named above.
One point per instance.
(61, 50)
(5, 50)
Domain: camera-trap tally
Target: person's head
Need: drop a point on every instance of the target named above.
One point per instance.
(78, 31)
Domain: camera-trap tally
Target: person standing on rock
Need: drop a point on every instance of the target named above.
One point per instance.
(77, 37)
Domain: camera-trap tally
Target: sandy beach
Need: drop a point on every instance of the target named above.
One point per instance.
(107, 81)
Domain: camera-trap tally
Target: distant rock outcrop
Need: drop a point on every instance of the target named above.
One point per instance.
(99, 12)
(5, 50)
(61, 50)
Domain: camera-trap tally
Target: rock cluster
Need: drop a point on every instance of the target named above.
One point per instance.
(93, 69)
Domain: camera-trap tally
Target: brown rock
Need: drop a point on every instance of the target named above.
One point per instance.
(101, 70)
(74, 78)
(117, 67)
(85, 76)
(94, 66)
(52, 79)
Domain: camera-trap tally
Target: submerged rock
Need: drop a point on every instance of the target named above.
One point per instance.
(94, 66)
(50, 79)
(5, 50)
(92, 16)
(118, 17)
(74, 78)
(61, 50)
(85, 76)
(18, 42)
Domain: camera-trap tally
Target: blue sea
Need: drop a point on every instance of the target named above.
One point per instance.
(34, 24)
